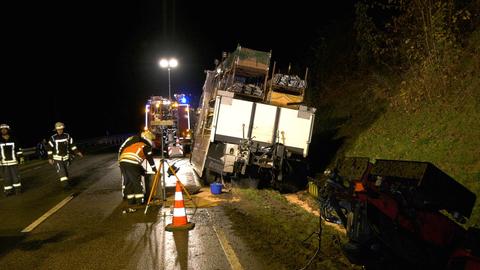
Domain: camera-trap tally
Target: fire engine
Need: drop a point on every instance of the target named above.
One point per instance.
(169, 120)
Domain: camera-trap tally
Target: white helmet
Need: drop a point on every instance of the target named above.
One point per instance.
(59, 125)
(147, 134)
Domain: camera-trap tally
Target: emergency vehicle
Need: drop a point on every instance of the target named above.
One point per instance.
(169, 120)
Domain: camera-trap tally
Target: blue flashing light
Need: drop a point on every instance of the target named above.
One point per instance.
(183, 100)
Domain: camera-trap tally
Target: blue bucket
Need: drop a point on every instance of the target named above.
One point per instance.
(216, 188)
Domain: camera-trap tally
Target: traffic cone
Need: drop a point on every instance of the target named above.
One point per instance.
(179, 221)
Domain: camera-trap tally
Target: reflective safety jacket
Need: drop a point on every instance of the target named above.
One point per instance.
(135, 150)
(60, 146)
(10, 152)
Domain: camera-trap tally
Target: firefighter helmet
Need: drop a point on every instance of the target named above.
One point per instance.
(59, 125)
(2, 126)
(147, 134)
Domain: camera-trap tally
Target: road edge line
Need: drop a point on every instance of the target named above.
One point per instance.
(226, 247)
(50, 212)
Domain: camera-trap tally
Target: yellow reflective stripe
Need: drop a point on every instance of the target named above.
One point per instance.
(9, 162)
(63, 178)
(61, 158)
(134, 156)
(129, 161)
(131, 156)
(73, 148)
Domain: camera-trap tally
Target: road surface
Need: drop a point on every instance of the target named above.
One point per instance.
(90, 230)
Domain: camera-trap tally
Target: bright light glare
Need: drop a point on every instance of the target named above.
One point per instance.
(173, 63)
(163, 63)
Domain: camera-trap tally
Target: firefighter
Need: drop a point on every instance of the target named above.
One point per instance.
(132, 153)
(11, 154)
(59, 148)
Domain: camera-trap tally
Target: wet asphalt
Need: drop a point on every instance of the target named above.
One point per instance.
(92, 232)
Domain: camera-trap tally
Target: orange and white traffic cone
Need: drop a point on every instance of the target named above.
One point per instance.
(179, 221)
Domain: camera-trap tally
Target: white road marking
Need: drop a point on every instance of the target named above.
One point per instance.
(50, 212)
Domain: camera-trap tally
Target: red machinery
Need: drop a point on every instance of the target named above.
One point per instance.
(401, 215)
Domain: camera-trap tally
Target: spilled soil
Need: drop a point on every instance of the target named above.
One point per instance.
(282, 230)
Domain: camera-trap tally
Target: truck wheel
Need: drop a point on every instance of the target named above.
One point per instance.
(251, 179)
(245, 182)
(295, 176)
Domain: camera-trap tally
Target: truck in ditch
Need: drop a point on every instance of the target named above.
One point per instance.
(251, 123)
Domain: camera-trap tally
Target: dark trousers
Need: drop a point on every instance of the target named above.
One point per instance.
(62, 169)
(11, 176)
(132, 174)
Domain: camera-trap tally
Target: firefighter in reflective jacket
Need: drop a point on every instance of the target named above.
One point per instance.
(59, 148)
(132, 153)
(10, 154)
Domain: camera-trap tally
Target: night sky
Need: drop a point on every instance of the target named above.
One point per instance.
(93, 64)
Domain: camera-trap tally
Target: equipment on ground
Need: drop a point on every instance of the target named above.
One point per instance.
(181, 222)
(401, 215)
(153, 189)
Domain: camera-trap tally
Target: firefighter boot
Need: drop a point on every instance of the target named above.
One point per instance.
(65, 185)
(18, 190)
(138, 199)
(131, 199)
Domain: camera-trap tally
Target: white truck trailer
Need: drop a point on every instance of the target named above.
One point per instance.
(238, 136)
